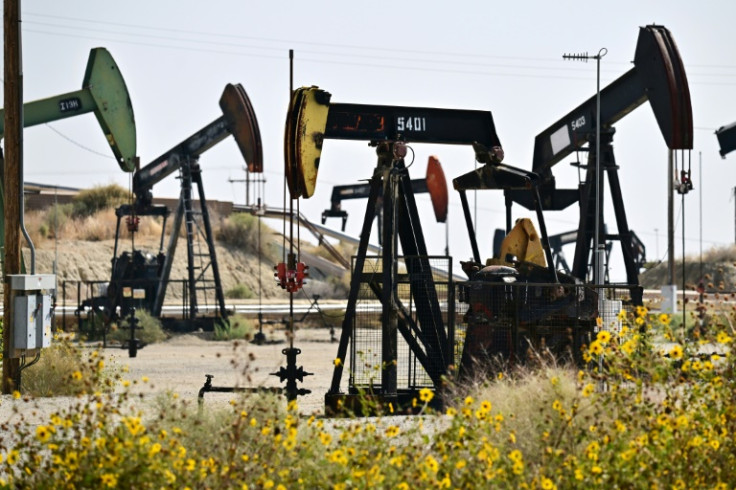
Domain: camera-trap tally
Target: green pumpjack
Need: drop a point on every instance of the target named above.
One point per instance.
(104, 93)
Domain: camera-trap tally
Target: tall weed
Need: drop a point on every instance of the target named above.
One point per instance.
(89, 201)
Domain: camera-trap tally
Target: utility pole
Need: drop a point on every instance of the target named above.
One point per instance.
(598, 248)
(11, 172)
(256, 181)
(246, 180)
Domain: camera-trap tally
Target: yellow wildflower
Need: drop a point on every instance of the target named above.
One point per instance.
(723, 338)
(13, 457)
(43, 433)
(426, 395)
(515, 455)
(338, 456)
(325, 438)
(548, 484)
(596, 348)
(604, 336)
(628, 346)
(676, 352)
(109, 480)
(588, 390)
(154, 450)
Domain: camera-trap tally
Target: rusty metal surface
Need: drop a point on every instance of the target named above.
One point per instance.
(437, 187)
(243, 125)
(663, 76)
(291, 168)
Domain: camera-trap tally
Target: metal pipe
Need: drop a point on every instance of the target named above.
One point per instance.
(21, 200)
(469, 223)
(596, 237)
(597, 262)
(670, 220)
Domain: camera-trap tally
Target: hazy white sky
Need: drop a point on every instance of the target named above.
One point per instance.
(506, 57)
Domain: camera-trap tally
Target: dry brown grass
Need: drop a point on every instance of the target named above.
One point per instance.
(525, 396)
(718, 255)
(345, 249)
(100, 226)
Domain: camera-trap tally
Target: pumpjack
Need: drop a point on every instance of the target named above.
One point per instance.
(105, 94)
(658, 76)
(726, 139)
(417, 307)
(149, 274)
(434, 183)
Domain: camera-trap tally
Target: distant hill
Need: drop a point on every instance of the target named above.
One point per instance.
(719, 272)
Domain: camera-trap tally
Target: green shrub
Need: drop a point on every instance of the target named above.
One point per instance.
(55, 218)
(90, 201)
(148, 330)
(241, 230)
(236, 328)
(239, 291)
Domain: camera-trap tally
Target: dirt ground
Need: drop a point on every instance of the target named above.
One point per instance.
(179, 365)
(91, 261)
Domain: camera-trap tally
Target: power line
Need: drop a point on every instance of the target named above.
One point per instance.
(76, 143)
(280, 50)
(312, 60)
(291, 41)
(441, 65)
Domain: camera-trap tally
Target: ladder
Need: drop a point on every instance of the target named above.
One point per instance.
(204, 285)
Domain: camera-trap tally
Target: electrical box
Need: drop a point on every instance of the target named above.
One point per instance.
(24, 331)
(32, 311)
(669, 299)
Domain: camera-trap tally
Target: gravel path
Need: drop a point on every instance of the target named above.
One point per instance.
(179, 366)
